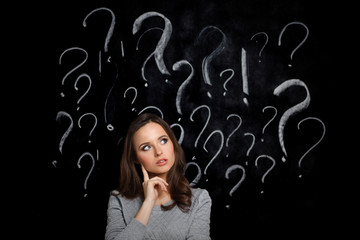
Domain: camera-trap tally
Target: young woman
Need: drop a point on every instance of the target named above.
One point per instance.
(160, 204)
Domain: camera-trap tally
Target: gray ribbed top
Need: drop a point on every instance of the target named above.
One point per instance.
(173, 224)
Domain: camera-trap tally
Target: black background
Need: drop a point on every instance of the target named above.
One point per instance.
(50, 198)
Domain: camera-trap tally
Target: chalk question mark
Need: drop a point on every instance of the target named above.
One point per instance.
(315, 144)
(135, 95)
(91, 169)
(59, 115)
(243, 175)
(198, 176)
(233, 131)
(237, 127)
(251, 145)
(268, 170)
(301, 43)
(291, 111)
(152, 107)
(77, 89)
(165, 37)
(108, 35)
(206, 123)
(76, 67)
(266, 41)
(180, 91)
(181, 138)
(228, 79)
(150, 56)
(219, 150)
(95, 122)
(208, 59)
(272, 118)
(111, 27)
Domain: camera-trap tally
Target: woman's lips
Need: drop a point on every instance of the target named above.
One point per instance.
(161, 162)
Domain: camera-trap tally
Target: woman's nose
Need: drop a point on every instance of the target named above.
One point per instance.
(158, 151)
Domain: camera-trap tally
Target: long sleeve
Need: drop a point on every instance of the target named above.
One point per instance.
(117, 228)
(200, 225)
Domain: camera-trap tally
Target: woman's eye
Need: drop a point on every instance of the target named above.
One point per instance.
(145, 148)
(164, 140)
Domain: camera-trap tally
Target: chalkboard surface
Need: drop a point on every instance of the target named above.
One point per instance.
(247, 87)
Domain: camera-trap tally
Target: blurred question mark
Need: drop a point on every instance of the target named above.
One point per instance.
(301, 43)
(87, 90)
(95, 122)
(150, 56)
(59, 115)
(219, 150)
(208, 59)
(111, 27)
(206, 123)
(266, 41)
(268, 170)
(275, 113)
(135, 95)
(91, 169)
(228, 79)
(291, 111)
(163, 41)
(315, 144)
(227, 173)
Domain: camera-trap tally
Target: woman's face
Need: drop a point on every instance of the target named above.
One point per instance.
(154, 149)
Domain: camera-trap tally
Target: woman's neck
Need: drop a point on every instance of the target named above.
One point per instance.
(162, 176)
(164, 197)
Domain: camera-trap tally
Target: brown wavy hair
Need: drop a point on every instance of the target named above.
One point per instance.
(130, 182)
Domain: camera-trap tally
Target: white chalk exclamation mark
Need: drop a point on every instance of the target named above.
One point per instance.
(244, 75)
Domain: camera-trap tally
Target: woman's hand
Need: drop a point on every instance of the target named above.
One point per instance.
(153, 186)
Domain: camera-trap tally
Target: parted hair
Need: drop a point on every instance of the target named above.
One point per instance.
(130, 182)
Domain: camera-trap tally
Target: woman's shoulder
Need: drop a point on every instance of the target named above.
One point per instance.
(200, 194)
(199, 191)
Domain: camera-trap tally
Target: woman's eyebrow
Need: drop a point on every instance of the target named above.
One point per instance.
(163, 136)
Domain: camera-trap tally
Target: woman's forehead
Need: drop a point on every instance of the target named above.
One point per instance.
(149, 132)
